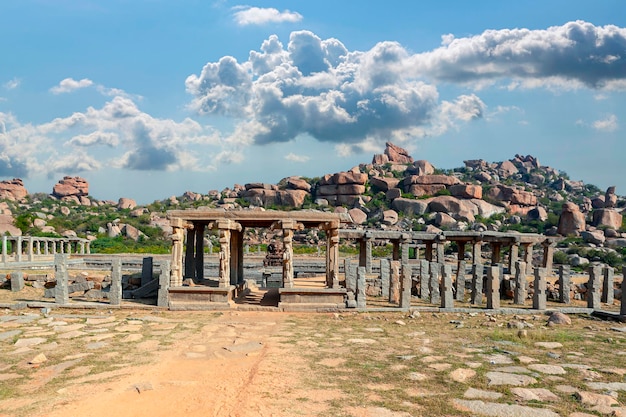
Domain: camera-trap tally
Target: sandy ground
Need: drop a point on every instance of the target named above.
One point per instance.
(235, 366)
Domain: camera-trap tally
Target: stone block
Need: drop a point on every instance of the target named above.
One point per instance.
(540, 296)
(435, 295)
(564, 284)
(424, 280)
(17, 281)
(493, 287)
(460, 281)
(477, 284)
(447, 296)
(607, 285)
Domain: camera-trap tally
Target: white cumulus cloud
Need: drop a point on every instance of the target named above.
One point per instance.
(69, 84)
(259, 16)
(296, 158)
(608, 124)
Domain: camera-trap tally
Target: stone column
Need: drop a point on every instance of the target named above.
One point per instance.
(428, 251)
(4, 249)
(528, 257)
(622, 309)
(548, 254)
(594, 286)
(447, 296)
(18, 249)
(360, 287)
(235, 252)
(240, 257)
(394, 285)
(513, 256)
(520, 283)
(365, 254)
(332, 254)
(82, 248)
(404, 249)
(405, 286)
(540, 295)
(199, 258)
(564, 284)
(385, 269)
(54, 247)
(435, 295)
(30, 249)
(395, 252)
(288, 258)
(424, 280)
(440, 251)
(477, 284)
(493, 287)
(224, 271)
(608, 292)
(190, 256)
(115, 291)
(177, 236)
(162, 295)
(495, 253)
(460, 281)
(147, 270)
(46, 249)
(61, 294)
(350, 272)
(477, 252)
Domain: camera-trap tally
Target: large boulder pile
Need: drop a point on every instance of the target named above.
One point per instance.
(420, 185)
(12, 190)
(393, 154)
(72, 189)
(515, 199)
(266, 195)
(342, 188)
(606, 215)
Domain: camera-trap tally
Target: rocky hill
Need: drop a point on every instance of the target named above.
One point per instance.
(393, 192)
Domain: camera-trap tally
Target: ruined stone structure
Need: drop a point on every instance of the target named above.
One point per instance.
(30, 248)
(190, 226)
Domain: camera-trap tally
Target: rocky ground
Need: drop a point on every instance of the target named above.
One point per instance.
(132, 362)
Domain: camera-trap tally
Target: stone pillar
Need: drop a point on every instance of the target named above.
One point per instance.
(594, 286)
(115, 291)
(493, 287)
(360, 287)
(88, 248)
(82, 248)
(350, 272)
(440, 253)
(4, 249)
(46, 249)
(513, 256)
(608, 292)
(30, 250)
(147, 270)
(404, 249)
(548, 254)
(394, 285)
(385, 269)
(365, 254)
(460, 281)
(477, 252)
(162, 295)
(477, 284)
(54, 247)
(424, 280)
(61, 294)
(428, 251)
(224, 271)
(240, 257)
(199, 258)
(17, 281)
(18, 249)
(190, 258)
(622, 309)
(564, 284)
(405, 286)
(540, 295)
(288, 258)
(435, 295)
(528, 257)
(177, 236)
(447, 296)
(520, 283)
(332, 255)
(495, 253)
(395, 252)
(233, 264)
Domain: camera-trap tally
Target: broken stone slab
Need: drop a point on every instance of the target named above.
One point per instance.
(503, 378)
(547, 369)
(534, 394)
(501, 410)
(29, 341)
(473, 393)
(9, 334)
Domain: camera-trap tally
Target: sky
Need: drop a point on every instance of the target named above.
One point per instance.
(147, 99)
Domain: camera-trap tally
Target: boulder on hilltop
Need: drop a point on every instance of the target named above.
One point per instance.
(71, 186)
(393, 154)
(12, 189)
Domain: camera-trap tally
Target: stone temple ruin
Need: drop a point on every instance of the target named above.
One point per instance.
(444, 270)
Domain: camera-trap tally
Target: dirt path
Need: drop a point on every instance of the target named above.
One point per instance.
(229, 368)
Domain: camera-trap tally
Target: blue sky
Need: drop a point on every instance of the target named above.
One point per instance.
(151, 98)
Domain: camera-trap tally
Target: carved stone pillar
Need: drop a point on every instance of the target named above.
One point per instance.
(548, 254)
(495, 252)
(178, 236)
